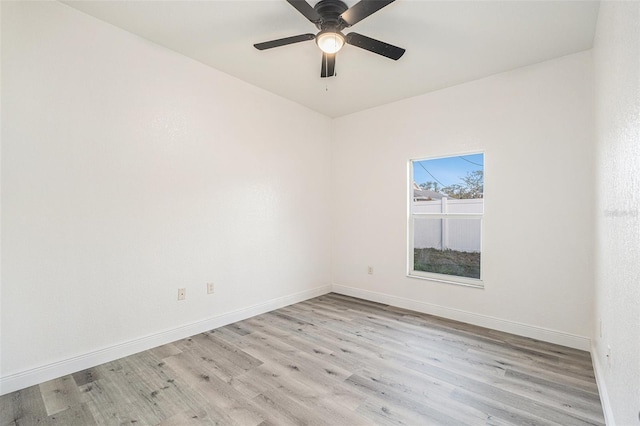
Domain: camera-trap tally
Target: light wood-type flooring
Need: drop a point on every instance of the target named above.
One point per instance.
(332, 360)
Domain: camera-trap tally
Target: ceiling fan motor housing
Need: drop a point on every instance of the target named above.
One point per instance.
(330, 10)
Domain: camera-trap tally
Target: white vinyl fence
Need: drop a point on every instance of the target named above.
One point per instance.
(461, 234)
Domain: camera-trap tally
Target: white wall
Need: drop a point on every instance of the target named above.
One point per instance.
(617, 82)
(535, 126)
(129, 171)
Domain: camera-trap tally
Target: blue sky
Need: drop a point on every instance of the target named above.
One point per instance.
(447, 170)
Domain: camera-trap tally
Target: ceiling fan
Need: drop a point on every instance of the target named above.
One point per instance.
(331, 17)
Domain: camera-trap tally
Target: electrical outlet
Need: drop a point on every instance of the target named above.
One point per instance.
(209, 288)
(370, 270)
(182, 293)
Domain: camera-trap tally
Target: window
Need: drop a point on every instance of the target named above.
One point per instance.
(446, 205)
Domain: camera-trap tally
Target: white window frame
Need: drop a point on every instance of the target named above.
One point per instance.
(411, 217)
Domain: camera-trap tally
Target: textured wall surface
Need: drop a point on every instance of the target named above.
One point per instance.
(535, 126)
(617, 78)
(129, 171)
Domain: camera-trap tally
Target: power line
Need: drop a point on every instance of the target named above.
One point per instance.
(425, 169)
(469, 161)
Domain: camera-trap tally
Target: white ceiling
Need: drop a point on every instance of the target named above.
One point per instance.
(448, 42)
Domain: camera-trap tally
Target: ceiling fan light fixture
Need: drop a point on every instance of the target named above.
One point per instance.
(330, 41)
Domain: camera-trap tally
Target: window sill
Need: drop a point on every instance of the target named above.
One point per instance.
(445, 279)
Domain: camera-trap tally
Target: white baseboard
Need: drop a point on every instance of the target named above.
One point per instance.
(534, 332)
(43, 373)
(602, 388)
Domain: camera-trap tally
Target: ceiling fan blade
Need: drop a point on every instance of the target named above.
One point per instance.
(328, 65)
(362, 9)
(305, 8)
(372, 45)
(284, 41)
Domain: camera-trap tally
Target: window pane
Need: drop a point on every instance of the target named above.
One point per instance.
(446, 208)
(459, 177)
(447, 246)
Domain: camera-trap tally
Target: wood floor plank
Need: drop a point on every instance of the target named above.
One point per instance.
(86, 376)
(60, 394)
(573, 400)
(188, 418)
(23, 407)
(78, 415)
(220, 401)
(498, 410)
(432, 395)
(332, 360)
(512, 399)
(397, 399)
